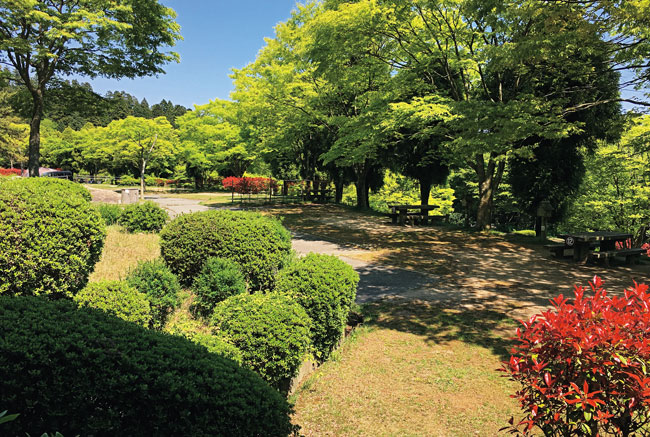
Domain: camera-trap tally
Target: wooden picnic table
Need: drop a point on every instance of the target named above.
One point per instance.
(581, 242)
(399, 213)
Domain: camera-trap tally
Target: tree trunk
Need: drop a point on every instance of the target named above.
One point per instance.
(425, 191)
(338, 195)
(142, 185)
(33, 163)
(362, 187)
(489, 180)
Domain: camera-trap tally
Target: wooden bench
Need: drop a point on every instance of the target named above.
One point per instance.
(629, 254)
(557, 249)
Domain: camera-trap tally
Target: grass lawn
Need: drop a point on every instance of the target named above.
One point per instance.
(413, 369)
(122, 251)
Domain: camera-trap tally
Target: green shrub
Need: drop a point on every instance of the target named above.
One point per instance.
(116, 298)
(160, 285)
(109, 212)
(82, 372)
(197, 333)
(62, 185)
(325, 287)
(219, 279)
(143, 217)
(270, 330)
(260, 245)
(128, 181)
(50, 237)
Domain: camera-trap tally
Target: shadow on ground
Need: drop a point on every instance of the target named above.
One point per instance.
(491, 329)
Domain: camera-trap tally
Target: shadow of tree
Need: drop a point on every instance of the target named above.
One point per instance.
(491, 329)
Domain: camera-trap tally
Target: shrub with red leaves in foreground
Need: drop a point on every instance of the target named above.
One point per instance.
(583, 366)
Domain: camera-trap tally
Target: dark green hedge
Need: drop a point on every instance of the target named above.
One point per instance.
(160, 285)
(109, 212)
(83, 372)
(270, 330)
(219, 279)
(260, 245)
(326, 287)
(50, 237)
(143, 217)
(62, 185)
(117, 298)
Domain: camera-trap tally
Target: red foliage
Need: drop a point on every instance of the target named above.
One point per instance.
(582, 365)
(646, 247)
(10, 172)
(627, 244)
(249, 185)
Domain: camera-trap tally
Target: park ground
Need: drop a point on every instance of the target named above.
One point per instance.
(440, 306)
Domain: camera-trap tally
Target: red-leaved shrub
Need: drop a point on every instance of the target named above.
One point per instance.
(583, 366)
(10, 172)
(249, 185)
(646, 247)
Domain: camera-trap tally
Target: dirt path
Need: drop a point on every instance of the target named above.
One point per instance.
(434, 264)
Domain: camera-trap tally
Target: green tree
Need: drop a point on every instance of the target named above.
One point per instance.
(114, 38)
(615, 195)
(139, 142)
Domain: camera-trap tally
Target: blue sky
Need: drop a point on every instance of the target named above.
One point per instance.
(218, 35)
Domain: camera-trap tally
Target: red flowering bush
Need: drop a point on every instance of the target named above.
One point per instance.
(646, 247)
(10, 172)
(583, 365)
(248, 185)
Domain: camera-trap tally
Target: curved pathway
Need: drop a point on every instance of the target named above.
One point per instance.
(376, 281)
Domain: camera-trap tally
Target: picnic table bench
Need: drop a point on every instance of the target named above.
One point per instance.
(400, 213)
(596, 245)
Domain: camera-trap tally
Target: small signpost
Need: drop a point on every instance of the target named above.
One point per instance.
(544, 211)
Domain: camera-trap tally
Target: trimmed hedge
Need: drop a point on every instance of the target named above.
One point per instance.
(159, 285)
(219, 279)
(116, 298)
(50, 237)
(260, 245)
(110, 213)
(62, 185)
(270, 330)
(143, 217)
(325, 287)
(196, 332)
(83, 372)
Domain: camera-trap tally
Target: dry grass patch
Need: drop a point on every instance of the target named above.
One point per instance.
(123, 251)
(414, 369)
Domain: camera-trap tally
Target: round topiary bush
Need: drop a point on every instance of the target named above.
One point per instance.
(109, 212)
(143, 217)
(196, 332)
(270, 330)
(260, 245)
(82, 372)
(50, 237)
(62, 185)
(219, 279)
(159, 285)
(116, 298)
(325, 287)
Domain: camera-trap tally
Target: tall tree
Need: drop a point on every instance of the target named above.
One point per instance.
(111, 38)
(139, 142)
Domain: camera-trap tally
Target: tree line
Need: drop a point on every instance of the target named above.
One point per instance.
(488, 97)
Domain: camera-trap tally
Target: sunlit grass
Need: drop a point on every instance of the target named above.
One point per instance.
(413, 370)
(123, 251)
